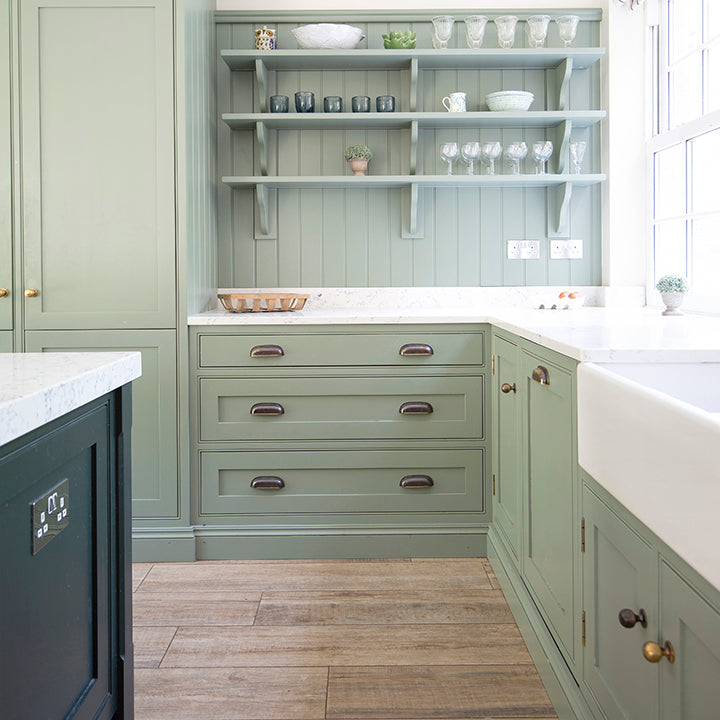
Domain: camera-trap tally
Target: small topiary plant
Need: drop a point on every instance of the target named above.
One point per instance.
(672, 284)
(358, 151)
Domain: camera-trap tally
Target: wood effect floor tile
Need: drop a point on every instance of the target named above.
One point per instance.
(480, 691)
(139, 571)
(209, 608)
(491, 574)
(150, 644)
(230, 694)
(441, 575)
(347, 645)
(382, 608)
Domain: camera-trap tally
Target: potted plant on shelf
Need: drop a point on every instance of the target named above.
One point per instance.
(358, 157)
(672, 289)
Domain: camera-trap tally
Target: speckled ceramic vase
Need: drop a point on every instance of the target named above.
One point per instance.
(358, 165)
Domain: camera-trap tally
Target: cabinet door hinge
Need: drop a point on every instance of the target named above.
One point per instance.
(492, 363)
(582, 535)
(493, 484)
(583, 628)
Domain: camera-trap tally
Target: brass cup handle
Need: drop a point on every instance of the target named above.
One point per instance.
(267, 408)
(653, 653)
(267, 482)
(416, 481)
(416, 349)
(265, 351)
(31, 292)
(628, 618)
(506, 388)
(541, 375)
(416, 407)
(4, 292)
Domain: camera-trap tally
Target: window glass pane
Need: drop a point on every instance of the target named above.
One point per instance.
(712, 24)
(706, 255)
(669, 182)
(703, 156)
(670, 248)
(686, 90)
(712, 99)
(685, 31)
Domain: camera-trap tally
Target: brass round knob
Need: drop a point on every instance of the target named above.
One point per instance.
(31, 292)
(628, 618)
(506, 388)
(4, 292)
(653, 653)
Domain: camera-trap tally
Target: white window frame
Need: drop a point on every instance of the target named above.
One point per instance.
(662, 138)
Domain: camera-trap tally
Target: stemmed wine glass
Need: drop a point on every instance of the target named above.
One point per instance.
(540, 153)
(537, 27)
(506, 30)
(443, 25)
(489, 153)
(514, 153)
(469, 152)
(449, 152)
(475, 29)
(577, 153)
(567, 27)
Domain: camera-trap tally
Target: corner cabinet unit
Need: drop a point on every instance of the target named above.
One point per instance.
(293, 163)
(363, 441)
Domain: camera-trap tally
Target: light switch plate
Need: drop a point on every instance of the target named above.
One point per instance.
(50, 515)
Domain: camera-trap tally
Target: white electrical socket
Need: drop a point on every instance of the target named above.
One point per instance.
(523, 249)
(566, 249)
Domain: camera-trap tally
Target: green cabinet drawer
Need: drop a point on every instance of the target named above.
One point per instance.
(341, 482)
(341, 408)
(418, 349)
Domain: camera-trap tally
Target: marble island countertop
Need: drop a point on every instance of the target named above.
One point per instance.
(36, 388)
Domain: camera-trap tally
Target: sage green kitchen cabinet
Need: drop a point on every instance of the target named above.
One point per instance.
(507, 393)
(98, 163)
(619, 571)
(6, 341)
(6, 278)
(154, 429)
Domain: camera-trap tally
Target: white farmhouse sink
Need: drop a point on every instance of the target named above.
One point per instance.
(650, 434)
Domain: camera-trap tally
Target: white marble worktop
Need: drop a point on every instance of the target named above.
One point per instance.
(625, 333)
(36, 388)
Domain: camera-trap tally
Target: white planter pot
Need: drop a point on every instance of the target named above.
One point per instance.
(672, 300)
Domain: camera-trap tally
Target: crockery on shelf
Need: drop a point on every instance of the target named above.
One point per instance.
(455, 102)
(396, 40)
(509, 100)
(265, 38)
(327, 36)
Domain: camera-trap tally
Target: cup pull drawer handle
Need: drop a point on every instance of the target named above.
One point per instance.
(267, 482)
(416, 407)
(541, 375)
(416, 481)
(267, 408)
(414, 349)
(265, 351)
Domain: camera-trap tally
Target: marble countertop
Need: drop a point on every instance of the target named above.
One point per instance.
(36, 388)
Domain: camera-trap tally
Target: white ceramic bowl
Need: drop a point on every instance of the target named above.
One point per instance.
(327, 36)
(509, 100)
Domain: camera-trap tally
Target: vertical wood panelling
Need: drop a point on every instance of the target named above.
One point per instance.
(355, 238)
(5, 173)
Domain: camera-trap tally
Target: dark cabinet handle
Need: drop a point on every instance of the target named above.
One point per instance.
(541, 375)
(265, 351)
(416, 481)
(415, 349)
(267, 482)
(416, 407)
(507, 387)
(267, 408)
(628, 618)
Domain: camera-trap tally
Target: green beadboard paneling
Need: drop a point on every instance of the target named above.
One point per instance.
(358, 238)
(6, 275)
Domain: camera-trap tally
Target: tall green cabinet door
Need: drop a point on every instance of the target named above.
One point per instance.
(507, 478)
(690, 686)
(154, 446)
(6, 288)
(619, 572)
(549, 452)
(97, 156)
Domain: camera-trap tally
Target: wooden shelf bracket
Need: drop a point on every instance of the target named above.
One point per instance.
(261, 135)
(261, 77)
(413, 147)
(414, 78)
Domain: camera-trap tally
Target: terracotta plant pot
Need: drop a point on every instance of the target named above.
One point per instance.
(358, 165)
(672, 300)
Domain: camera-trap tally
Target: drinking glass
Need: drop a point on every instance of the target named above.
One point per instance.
(577, 153)
(448, 153)
(489, 153)
(567, 27)
(475, 29)
(537, 27)
(506, 30)
(469, 152)
(514, 153)
(541, 151)
(443, 25)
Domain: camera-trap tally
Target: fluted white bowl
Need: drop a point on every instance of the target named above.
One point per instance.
(327, 36)
(509, 100)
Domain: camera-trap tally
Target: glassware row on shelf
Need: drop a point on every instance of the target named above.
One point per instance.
(515, 152)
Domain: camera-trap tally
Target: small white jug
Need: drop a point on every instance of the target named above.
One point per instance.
(455, 102)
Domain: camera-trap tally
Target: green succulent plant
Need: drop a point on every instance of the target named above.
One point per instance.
(396, 40)
(672, 284)
(358, 151)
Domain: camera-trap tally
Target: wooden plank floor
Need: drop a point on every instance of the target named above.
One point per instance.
(329, 639)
